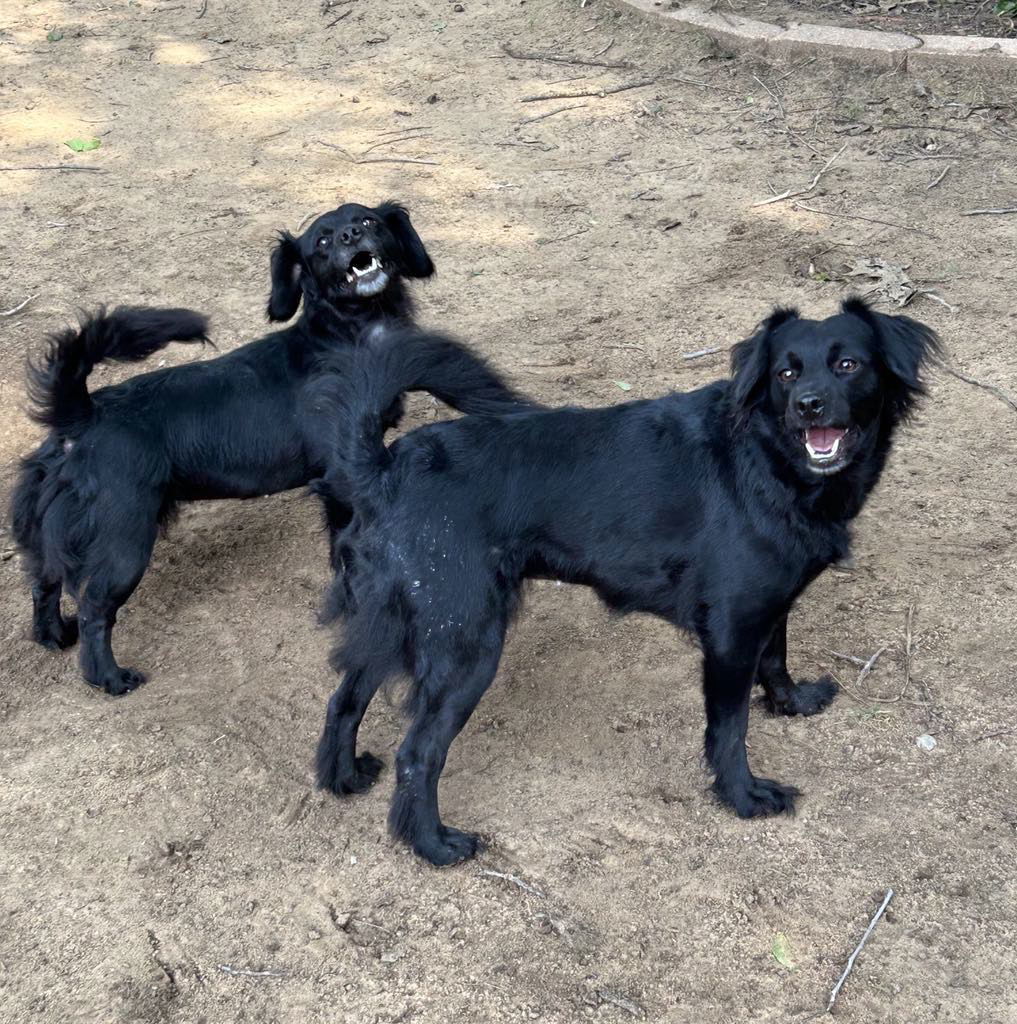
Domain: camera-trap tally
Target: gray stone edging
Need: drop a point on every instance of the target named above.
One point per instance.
(887, 48)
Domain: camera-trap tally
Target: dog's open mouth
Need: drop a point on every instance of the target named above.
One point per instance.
(366, 273)
(825, 447)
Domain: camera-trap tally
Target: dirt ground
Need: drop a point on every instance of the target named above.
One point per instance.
(155, 849)
(937, 17)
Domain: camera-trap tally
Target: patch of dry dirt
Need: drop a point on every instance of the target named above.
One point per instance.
(935, 17)
(149, 843)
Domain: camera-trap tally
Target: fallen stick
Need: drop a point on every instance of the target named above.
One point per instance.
(979, 213)
(240, 972)
(19, 307)
(991, 388)
(550, 113)
(56, 167)
(700, 353)
(851, 960)
(849, 657)
(868, 220)
(592, 92)
(375, 159)
(792, 193)
(525, 886)
(555, 58)
(868, 667)
(933, 184)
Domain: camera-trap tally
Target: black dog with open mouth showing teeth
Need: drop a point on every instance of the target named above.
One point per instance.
(118, 460)
(713, 510)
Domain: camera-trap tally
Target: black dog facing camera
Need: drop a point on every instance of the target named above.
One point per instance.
(713, 510)
(117, 461)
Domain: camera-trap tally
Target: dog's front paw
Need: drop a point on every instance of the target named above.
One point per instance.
(805, 698)
(760, 798)
(366, 770)
(449, 846)
(120, 681)
(59, 635)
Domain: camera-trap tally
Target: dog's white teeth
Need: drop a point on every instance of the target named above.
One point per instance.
(373, 265)
(823, 456)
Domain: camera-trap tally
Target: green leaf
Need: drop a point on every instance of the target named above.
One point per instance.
(781, 950)
(83, 145)
(54, 35)
(624, 385)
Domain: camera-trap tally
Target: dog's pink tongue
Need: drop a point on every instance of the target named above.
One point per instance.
(823, 439)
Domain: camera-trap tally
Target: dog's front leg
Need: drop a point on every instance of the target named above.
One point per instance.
(783, 695)
(731, 653)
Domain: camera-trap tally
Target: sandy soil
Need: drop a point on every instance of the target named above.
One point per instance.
(153, 847)
(937, 17)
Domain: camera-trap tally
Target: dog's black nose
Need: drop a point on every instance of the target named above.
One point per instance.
(809, 405)
(350, 235)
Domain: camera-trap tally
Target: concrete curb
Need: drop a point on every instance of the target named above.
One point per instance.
(887, 49)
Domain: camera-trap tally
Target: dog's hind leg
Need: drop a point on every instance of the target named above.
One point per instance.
(339, 769)
(443, 701)
(49, 627)
(783, 695)
(117, 558)
(731, 651)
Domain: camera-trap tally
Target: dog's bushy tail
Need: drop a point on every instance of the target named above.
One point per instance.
(56, 381)
(382, 373)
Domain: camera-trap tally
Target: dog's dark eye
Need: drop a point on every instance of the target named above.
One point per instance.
(369, 222)
(788, 374)
(848, 365)
(324, 242)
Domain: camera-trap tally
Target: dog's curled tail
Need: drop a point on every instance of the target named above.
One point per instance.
(408, 361)
(56, 381)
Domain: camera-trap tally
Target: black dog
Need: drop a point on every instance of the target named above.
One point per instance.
(117, 461)
(713, 510)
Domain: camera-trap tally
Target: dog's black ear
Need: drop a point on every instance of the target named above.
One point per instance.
(285, 269)
(904, 346)
(750, 364)
(414, 259)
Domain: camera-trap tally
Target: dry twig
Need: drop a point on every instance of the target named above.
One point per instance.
(700, 353)
(555, 58)
(791, 193)
(999, 211)
(1002, 395)
(868, 220)
(851, 960)
(375, 159)
(936, 181)
(56, 167)
(19, 307)
(550, 113)
(592, 92)
(868, 667)
(242, 972)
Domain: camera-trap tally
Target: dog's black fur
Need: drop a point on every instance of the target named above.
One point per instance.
(707, 509)
(117, 461)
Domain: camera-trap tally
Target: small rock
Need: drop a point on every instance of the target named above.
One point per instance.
(926, 742)
(458, 8)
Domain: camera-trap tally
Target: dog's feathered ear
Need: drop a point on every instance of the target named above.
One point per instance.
(904, 346)
(414, 259)
(285, 270)
(750, 364)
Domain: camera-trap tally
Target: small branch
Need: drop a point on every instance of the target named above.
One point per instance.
(851, 960)
(1002, 395)
(306, 217)
(700, 353)
(997, 212)
(550, 113)
(375, 159)
(869, 665)
(203, 10)
(868, 220)
(56, 167)
(516, 881)
(791, 193)
(336, 21)
(555, 58)
(19, 307)
(593, 92)
(241, 972)
(993, 735)
(936, 181)
(849, 657)
(780, 106)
